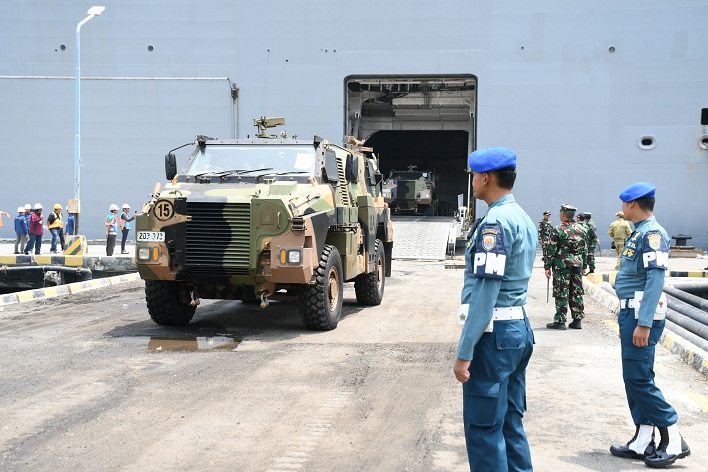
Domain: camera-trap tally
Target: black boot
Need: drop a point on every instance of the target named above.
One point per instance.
(671, 447)
(556, 325)
(575, 324)
(640, 446)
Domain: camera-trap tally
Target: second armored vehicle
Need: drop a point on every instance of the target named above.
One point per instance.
(411, 191)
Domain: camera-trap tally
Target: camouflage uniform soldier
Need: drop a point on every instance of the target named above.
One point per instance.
(567, 253)
(591, 228)
(545, 227)
(619, 232)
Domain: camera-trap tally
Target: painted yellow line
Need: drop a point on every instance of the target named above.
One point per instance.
(701, 400)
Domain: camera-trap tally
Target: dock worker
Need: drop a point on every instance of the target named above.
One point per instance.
(496, 341)
(567, 254)
(111, 229)
(21, 230)
(55, 224)
(36, 230)
(639, 286)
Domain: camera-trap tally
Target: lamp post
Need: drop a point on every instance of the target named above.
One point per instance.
(93, 11)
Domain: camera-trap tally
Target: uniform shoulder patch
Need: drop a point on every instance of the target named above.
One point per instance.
(655, 251)
(490, 255)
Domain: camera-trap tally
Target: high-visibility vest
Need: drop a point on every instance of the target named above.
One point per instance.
(57, 223)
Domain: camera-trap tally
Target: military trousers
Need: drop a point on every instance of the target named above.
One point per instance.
(568, 293)
(494, 399)
(619, 247)
(591, 259)
(646, 402)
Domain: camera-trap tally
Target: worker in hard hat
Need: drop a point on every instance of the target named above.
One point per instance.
(36, 230)
(125, 226)
(21, 230)
(55, 223)
(111, 229)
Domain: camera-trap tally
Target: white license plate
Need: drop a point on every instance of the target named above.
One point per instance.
(151, 236)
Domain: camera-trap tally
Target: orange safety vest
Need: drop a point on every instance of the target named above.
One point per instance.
(57, 223)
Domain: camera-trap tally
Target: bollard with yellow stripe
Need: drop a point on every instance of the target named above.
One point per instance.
(75, 245)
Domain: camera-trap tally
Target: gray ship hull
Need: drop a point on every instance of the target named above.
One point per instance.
(592, 95)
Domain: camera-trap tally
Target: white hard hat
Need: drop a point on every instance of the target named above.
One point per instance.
(125, 205)
(38, 206)
(20, 209)
(28, 206)
(113, 207)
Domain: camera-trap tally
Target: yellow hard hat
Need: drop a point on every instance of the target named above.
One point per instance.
(57, 206)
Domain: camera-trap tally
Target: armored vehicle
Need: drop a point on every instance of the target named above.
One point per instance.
(411, 191)
(265, 218)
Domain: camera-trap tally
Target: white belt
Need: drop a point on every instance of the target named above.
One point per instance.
(504, 313)
(660, 314)
(624, 303)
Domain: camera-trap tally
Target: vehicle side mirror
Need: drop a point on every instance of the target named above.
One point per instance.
(170, 166)
(331, 166)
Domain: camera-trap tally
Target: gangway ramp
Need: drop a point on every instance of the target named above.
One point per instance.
(421, 237)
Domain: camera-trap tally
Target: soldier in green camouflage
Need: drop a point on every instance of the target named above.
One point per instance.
(592, 241)
(545, 226)
(567, 254)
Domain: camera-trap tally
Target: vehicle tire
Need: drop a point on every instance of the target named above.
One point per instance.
(320, 304)
(369, 287)
(168, 302)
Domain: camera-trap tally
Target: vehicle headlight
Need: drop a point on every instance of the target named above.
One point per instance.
(290, 256)
(144, 254)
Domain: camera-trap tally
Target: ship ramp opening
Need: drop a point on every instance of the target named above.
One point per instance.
(423, 237)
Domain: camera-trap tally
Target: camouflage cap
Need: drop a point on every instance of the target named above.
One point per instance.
(568, 208)
(588, 214)
(546, 212)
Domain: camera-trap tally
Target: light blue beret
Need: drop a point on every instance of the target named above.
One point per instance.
(487, 160)
(637, 191)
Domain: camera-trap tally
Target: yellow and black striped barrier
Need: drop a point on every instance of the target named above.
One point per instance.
(75, 245)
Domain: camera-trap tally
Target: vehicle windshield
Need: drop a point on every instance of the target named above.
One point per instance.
(243, 158)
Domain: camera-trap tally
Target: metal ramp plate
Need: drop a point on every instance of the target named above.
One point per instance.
(420, 237)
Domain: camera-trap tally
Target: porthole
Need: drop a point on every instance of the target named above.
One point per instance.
(647, 142)
(703, 142)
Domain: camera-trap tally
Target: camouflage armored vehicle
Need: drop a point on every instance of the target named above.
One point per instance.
(411, 191)
(265, 218)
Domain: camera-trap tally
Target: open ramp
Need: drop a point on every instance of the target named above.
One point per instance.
(421, 237)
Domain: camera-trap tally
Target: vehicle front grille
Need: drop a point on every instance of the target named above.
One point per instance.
(218, 238)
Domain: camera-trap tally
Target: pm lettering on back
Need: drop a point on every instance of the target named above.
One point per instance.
(655, 251)
(490, 257)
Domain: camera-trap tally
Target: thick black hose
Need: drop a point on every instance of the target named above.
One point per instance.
(698, 302)
(687, 335)
(699, 329)
(85, 274)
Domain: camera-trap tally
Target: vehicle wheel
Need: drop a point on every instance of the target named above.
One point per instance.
(320, 304)
(168, 302)
(369, 288)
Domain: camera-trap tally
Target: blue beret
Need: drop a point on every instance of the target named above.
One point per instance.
(637, 191)
(487, 160)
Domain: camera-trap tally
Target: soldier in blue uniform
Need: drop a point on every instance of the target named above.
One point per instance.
(496, 341)
(639, 286)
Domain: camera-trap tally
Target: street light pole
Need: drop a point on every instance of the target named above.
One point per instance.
(93, 11)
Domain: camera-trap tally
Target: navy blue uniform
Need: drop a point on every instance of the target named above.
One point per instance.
(641, 277)
(499, 260)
